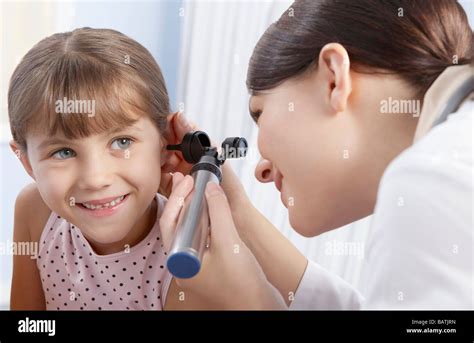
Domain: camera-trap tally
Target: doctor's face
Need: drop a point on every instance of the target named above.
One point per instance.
(307, 151)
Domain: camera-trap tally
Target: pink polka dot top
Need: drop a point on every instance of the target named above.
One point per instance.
(74, 277)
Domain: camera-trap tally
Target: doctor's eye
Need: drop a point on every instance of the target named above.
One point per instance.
(255, 115)
(121, 143)
(63, 154)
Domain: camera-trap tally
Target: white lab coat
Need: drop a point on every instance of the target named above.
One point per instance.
(420, 250)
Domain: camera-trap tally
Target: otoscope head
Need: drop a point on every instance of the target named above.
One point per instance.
(193, 146)
(197, 144)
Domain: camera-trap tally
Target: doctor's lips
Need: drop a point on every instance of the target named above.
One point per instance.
(278, 180)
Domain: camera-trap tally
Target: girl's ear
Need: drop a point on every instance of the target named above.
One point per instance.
(23, 157)
(334, 64)
(170, 135)
(165, 154)
(167, 137)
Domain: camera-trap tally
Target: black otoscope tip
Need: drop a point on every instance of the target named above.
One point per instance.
(193, 147)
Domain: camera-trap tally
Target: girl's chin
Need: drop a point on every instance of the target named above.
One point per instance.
(104, 237)
(107, 247)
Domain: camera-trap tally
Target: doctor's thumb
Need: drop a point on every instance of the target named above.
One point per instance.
(222, 227)
(182, 186)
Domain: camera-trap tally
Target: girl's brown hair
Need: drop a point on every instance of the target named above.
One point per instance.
(99, 65)
(416, 39)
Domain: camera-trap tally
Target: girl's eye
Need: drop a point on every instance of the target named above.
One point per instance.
(121, 143)
(64, 153)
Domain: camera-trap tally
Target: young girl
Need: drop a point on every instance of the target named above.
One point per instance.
(88, 111)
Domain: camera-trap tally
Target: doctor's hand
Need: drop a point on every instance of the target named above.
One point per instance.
(178, 126)
(230, 276)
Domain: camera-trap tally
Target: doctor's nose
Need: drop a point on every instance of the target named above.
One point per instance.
(264, 171)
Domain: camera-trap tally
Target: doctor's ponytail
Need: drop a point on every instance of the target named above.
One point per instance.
(416, 39)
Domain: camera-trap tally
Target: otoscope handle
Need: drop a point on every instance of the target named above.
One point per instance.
(192, 229)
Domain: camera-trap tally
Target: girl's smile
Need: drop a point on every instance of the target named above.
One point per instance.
(104, 207)
(100, 185)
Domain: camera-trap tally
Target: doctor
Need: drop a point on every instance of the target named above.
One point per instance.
(336, 88)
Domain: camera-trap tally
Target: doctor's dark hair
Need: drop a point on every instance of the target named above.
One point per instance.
(415, 39)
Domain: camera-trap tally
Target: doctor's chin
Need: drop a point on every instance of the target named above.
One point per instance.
(237, 161)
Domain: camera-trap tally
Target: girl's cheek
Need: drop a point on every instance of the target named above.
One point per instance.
(144, 167)
(52, 194)
(53, 183)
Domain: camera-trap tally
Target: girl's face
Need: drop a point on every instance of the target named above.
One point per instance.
(325, 144)
(103, 183)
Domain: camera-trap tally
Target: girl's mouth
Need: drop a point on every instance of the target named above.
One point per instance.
(102, 208)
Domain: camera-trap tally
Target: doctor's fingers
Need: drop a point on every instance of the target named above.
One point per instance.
(223, 233)
(178, 127)
(181, 126)
(177, 178)
(169, 217)
(169, 181)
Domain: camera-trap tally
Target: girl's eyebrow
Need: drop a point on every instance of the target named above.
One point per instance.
(120, 129)
(52, 141)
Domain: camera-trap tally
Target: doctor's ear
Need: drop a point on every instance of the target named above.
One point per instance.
(334, 65)
(20, 152)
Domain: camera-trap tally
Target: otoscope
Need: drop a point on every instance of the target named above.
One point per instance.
(192, 229)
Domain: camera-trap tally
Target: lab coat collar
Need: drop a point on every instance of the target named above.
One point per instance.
(438, 94)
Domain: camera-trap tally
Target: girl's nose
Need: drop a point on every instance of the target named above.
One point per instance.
(94, 176)
(263, 171)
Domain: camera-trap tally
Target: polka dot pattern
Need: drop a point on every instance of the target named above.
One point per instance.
(75, 278)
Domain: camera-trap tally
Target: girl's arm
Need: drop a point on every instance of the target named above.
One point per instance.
(30, 212)
(282, 263)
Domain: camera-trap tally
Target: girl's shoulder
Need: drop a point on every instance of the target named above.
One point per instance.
(31, 210)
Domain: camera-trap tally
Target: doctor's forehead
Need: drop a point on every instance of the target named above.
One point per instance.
(257, 98)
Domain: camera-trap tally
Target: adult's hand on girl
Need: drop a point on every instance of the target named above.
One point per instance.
(178, 126)
(230, 276)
